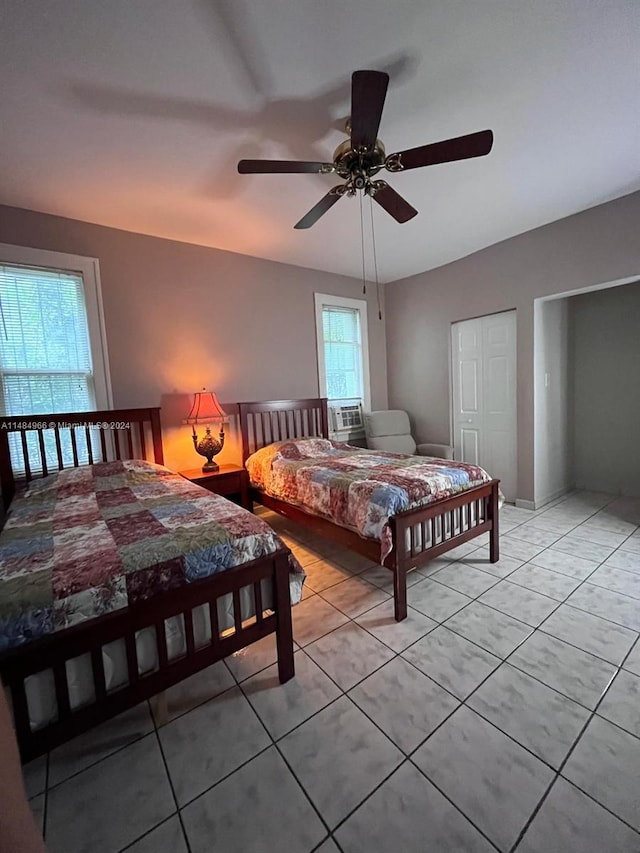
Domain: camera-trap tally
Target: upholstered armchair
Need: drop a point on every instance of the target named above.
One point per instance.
(390, 430)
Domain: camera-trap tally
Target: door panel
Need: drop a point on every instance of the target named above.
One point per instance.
(469, 440)
(497, 386)
(484, 395)
(469, 370)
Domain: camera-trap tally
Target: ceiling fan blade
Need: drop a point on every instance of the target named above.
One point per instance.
(321, 208)
(393, 203)
(368, 91)
(262, 167)
(460, 148)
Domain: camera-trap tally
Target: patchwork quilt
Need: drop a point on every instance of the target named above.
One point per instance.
(94, 539)
(355, 488)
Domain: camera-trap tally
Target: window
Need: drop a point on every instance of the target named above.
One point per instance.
(343, 352)
(52, 347)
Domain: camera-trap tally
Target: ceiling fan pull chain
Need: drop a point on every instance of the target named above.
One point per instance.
(364, 280)
(375, 260)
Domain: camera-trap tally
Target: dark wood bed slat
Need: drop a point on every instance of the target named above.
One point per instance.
(141, 441)
(237, 610)
(161, 644)
(97, 667)
(25, 454)
(188, 632)
(43, 455)
(257, 597)
(132, 657)
(103, 446)
(56, 433)
(74, 447)
(215, 625)
(87, 438)
(62, 689)
(129, 436)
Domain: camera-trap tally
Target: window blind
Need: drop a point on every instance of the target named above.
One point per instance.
(343, 352)
(45, 354)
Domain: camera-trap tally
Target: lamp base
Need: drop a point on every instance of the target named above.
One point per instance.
(208, 447)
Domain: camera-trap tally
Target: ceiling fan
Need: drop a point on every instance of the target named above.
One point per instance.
(359, 158)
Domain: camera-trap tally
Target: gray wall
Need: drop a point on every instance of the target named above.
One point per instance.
(605, 345)
(179, 317)
(553, 408)
(596, 246)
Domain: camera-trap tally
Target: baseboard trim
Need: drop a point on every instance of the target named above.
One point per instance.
(524, 504)
(544, 501)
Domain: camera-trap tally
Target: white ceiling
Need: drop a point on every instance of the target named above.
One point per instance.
(133, 114)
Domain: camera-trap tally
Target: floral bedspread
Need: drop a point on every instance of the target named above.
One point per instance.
(93, 539)
(358, 489)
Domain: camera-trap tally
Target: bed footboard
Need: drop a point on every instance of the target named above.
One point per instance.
(53, 652)
(419, 535)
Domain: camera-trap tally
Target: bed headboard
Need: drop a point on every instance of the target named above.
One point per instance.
(277, 420)
(52, 442)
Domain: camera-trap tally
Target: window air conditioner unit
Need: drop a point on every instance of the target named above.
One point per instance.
(346, 417)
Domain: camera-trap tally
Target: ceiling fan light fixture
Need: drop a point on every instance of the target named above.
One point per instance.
(360, 157)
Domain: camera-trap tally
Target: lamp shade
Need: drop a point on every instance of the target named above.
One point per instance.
(205, 408)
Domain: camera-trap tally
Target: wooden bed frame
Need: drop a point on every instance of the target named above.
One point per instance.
(113, 435)
(470, 513)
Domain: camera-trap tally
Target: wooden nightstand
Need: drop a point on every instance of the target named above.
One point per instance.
(231, 481)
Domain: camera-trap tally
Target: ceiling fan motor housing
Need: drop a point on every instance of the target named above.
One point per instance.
(358, 165)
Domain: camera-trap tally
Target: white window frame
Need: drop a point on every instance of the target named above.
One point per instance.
(89, 269)
(323, 300)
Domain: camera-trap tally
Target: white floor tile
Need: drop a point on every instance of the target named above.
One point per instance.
(571, 822)
(349, 654)
(541, 719)
(407, 813)
(544, 581)
(495, 631)
(98, 743)
(211, 741)
(166, 838)
(397, 635)
(618, 608)
(111, 804)
(579, 675)
(605, 765)
(455, 663)
(419, 704)
(493, 780)
(354, 597)
(590, 633)
(621, 703)
(282, 707)
(520, 603)
(260, 807)
(632, 663)
(340, 757)
(313, 618)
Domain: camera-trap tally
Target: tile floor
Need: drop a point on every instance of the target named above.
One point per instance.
(503, 714)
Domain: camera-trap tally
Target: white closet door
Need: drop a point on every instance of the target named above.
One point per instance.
(467, 391)
(484, 395)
